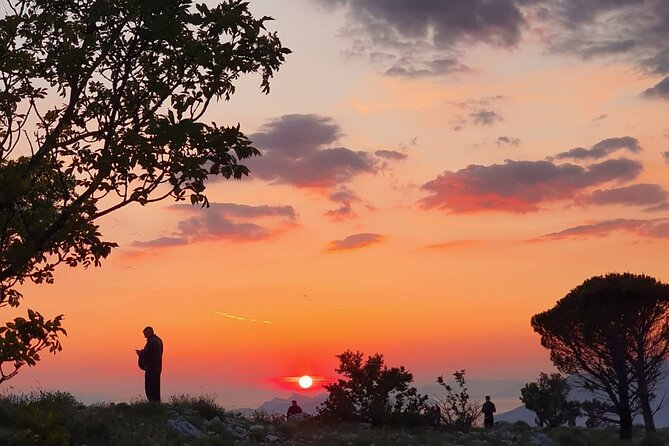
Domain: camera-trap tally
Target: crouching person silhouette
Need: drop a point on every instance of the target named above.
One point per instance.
(150, 359)
(294, 409)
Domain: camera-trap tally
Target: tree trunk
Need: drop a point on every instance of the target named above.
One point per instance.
(624, 407)
(644, 396)
(647, 411)
(625, 432)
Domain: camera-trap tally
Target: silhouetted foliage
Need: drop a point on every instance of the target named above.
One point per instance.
(458, 411)
(371, 392)
(598, 413)
(548, 399)
(612, 334)
(101, 106)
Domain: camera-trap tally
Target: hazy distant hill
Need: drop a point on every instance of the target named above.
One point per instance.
(521, 413)
(280, 405)
(506, 389)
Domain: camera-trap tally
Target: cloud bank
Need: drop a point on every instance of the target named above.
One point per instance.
(428, 37)
(300, 150)
(520, 186)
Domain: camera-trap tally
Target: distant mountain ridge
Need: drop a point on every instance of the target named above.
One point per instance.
(279, 406)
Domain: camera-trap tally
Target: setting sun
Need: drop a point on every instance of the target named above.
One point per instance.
(305, 381)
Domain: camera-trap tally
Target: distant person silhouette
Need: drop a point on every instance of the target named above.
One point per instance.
(294, 409)
(434, 416)
(488, 410)
(150, 359)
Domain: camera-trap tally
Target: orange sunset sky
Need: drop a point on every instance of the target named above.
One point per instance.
(434, 174)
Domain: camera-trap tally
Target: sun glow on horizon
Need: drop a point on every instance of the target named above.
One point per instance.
(305, 381)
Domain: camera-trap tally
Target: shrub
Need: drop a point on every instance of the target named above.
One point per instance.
(372, 392)
(458, 412)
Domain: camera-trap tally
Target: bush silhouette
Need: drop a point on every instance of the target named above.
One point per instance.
(372, 392)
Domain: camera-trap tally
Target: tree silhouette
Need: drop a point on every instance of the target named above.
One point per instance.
(548, 399)
(612, 333)
(371, 392)
(102, 105)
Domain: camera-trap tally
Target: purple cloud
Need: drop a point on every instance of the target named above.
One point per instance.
(424, 37)
(223, 221)
(631, 30)
(602, 149)
(429, 37)
(635, 195)
(659, 208)
(355, 241)
(296, 152)
(294, 136)
(485, 117)
(520, 186)
(344, 197)
(391, 155)
(657, 228)
(660, 90)
(507, 140)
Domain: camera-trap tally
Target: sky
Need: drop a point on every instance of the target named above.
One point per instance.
(434, 173)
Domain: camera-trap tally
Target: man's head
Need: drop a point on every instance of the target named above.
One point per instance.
(294, 403)
(487, 397)
(148, 331)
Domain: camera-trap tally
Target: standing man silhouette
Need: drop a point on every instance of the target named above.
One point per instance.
(150, 359)
(488, 410)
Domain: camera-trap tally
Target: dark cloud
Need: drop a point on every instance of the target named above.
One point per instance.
(223, 221)
(391, 155)
(485, 117)
(355, 241)
(429, 37)
(294, 152)
(602, 149)
(635, 31)
(507, 140)
(601, 117)
(520, 186)
(293, 136)
(636, 195)
(656, 228)
(661, 90)
(424, 37)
